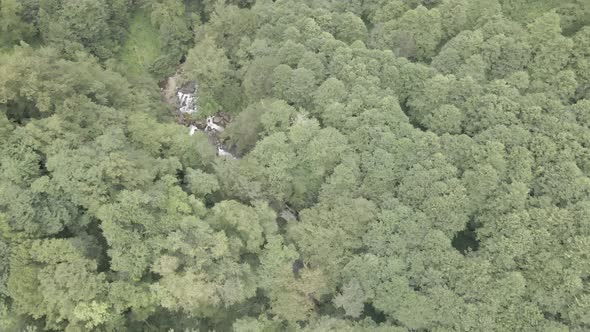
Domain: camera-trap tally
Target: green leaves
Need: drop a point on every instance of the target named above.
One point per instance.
(14, 27)
(73, 26)
(54, 279)
(329, 234)
(415, 35)
(247, 224)
(291, 298)
(402, 165)
(207, 65)
(201, 183)
(351, 299)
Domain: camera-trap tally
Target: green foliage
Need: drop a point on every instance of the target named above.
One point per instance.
(208, 65)
(258, 120)
(291, 298)
(172, 23)
(414, 165)
(74, 25)
(14, 27)
(141, 47)
(53, 278)
(416, 34)
(201, 183)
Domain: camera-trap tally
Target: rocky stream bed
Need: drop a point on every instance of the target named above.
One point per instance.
(184, 98)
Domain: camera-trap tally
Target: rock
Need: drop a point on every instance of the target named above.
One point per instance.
(200, 124)
(226, 117)
(170, 88)
(212, 126)
(188, 88)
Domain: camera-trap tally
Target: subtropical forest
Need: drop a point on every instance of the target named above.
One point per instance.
(295, 165)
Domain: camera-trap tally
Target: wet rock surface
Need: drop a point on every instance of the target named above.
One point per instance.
(184, 99)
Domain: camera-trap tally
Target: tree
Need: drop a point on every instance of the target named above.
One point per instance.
(456, 51)
(454, 17)
(318, 157)
(330, 91)
(208, 66)
(302, 84)
(274, 160)
(258, 120)
(55, 280)
(415, 165)
(247, 225)
(257, 81)
(505, 55)
(581, 63)
(349, 28)
(168, 16)
(416, 34)
(551, 48)
(329, 233)
(73, 25)
(201, 183)
(447, 119)
(14, 27)
(135, 223)
(292, 296)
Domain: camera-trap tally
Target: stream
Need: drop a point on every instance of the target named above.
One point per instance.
(184, 99)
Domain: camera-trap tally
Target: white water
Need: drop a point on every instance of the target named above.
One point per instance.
(223, 153)
(193, 129)
(187, 102)
(212, 126)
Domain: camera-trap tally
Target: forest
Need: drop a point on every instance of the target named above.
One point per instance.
(295, 165)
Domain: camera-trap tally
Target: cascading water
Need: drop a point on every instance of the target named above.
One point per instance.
(224, 153)
(186, 101)
(212, 126)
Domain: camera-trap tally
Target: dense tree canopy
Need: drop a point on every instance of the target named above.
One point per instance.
(400, 165)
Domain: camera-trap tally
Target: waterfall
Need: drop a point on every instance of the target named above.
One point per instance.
(224, 153)
(212, 126)
(187, 102)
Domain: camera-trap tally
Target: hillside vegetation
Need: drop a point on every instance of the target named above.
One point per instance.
(400, 165)
(142, 46)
